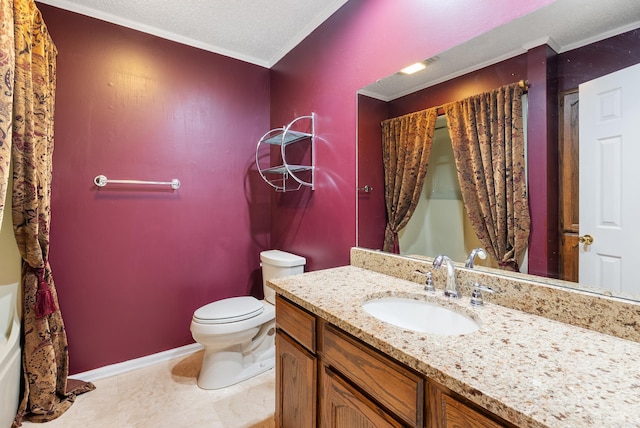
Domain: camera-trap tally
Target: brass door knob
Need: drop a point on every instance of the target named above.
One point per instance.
(586, 239)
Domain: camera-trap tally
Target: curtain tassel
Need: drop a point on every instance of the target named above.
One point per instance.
(45, 304)
(512, 264)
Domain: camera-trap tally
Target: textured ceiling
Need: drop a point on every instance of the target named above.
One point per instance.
(256, 31)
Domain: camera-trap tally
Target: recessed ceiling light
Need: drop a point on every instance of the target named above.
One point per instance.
(413, 68)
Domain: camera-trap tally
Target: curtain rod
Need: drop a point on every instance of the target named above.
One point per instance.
(524, 84)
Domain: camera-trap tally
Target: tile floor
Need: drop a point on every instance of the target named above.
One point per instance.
(166, 395)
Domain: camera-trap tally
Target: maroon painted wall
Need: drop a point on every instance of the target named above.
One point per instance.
(363, 41)
(372, 222)
(131, 264)
(597, 59)
(542, 135)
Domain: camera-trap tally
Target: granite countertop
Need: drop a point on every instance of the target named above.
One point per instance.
(529, 370)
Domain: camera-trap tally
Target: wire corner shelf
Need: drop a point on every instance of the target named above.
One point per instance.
(285, 176)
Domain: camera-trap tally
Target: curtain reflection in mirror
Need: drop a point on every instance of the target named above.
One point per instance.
(488, 145)
(440, 223)
(489, 151)
(406, 148)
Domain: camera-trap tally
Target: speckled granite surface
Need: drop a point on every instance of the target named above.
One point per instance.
(609, 315)
(530, 370)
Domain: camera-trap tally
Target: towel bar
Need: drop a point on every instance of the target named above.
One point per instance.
(101, 181)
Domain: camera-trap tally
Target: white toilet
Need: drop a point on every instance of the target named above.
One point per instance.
(238, 333)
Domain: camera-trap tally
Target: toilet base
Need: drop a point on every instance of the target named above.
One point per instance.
(225, 368)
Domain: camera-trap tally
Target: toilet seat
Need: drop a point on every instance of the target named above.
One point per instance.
(229, 310)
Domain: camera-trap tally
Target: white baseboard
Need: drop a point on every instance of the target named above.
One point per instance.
(137, 363)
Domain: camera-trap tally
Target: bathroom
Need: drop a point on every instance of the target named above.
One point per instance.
(134, 105)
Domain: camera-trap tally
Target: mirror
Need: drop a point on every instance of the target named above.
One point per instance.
(596, 40)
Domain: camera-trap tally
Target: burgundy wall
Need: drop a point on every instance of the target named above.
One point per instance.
(542, 135)
(363, 41)
(372, 218)
(597, 59)
(132, 263)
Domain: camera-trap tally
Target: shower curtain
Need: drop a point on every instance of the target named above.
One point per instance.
(48, 392)
(406, 148)
(488, 144)
(7, 65)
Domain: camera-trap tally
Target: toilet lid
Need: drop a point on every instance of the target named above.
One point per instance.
(229, 310)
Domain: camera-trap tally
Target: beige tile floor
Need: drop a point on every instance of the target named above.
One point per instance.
(166, 395)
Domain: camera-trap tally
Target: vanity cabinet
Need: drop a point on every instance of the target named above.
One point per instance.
(328, 378)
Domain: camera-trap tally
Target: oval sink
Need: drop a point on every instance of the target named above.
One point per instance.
(418, 315)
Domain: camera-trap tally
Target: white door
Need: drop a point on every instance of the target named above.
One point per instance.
(610, 181)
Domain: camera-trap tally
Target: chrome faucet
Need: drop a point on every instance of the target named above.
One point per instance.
(480, 252)
(451, 290)
(476, 294)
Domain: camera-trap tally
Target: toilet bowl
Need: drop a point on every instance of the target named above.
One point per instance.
(237, 333)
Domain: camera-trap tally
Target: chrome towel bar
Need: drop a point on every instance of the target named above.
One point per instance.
(101, 181)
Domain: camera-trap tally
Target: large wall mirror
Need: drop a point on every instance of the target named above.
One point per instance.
(555, 49)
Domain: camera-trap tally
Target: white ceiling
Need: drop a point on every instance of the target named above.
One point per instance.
(263, 31)
(256, 31)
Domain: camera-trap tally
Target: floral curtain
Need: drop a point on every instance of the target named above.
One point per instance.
(7, 64)
(47, 391)
(488, 145)
(406, 148)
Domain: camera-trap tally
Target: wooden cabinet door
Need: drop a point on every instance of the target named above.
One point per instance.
(458, 415)
(343, 406)
(296, 384)
(446, 411)
(384, 380)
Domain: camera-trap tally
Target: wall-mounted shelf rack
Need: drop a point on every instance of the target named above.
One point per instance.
(278, 172)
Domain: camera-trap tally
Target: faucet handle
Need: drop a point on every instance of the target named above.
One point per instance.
(480, 252)
(476, 295)
(428, 286)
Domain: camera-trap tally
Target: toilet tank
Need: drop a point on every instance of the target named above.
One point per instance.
(276, 263)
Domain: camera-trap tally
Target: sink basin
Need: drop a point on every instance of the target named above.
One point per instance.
(421, 316)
